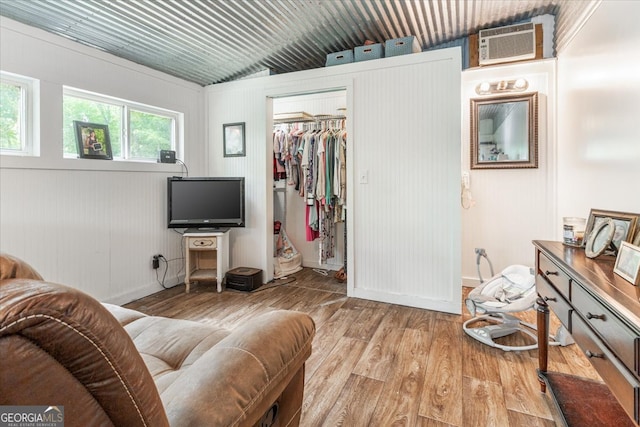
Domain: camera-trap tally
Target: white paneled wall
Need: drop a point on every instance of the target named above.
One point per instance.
(404, 134)
(511, 207)
(598, 114)
(91, 230)
(92, 224)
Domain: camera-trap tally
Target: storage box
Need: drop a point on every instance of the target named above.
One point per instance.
(337, 58)
(370, 51)
(402, 46)
(243, 278)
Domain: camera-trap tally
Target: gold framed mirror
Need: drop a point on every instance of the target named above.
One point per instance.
(504, 132)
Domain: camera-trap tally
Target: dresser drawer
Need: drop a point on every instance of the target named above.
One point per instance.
(620, 337)
(554, 275)
(556, 302)
(205, 243)
(623, 385)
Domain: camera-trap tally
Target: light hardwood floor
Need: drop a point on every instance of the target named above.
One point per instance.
(377, 364)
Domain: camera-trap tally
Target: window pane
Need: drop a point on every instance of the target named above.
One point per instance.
(10, 117)
(86, 110)
(149, 133)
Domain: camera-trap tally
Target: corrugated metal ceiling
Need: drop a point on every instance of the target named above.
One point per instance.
(211, 41)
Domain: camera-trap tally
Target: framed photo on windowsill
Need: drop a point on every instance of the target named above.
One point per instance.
(628, 263)
(233, 134)
(93, 140)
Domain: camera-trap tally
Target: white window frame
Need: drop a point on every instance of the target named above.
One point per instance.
(127, 106)
(30, 88)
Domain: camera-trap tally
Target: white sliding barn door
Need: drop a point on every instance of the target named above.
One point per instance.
(406, 185)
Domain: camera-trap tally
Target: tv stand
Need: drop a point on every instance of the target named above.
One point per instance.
(206, 256)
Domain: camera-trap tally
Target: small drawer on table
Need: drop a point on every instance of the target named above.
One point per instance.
(622, 339)
(624, 386)
(556, 302)
(554, 274)
(202, 243)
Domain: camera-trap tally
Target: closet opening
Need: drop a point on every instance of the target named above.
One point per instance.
(309, 179)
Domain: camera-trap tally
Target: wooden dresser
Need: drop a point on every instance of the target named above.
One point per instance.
(601, 311)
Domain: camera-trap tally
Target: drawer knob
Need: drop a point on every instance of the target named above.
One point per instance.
(551, 273)
(595, 316)
(590, 354)
(550, 299)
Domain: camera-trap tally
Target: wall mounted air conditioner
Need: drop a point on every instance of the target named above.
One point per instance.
(507, 44)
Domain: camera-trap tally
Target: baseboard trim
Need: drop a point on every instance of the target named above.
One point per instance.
(143, 291)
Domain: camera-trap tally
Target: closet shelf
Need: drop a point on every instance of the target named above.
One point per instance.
(321, 117)
(301, 117)
(296, 117)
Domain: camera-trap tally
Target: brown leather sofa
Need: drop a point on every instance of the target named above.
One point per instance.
(108, 365)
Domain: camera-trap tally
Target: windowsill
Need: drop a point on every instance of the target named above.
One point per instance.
(30, 162)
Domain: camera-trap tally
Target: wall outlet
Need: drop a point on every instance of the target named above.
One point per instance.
(156, 262)
(364, 176)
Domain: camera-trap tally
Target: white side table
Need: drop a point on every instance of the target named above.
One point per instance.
(206, 256)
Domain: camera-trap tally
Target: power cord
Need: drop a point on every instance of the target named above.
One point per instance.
(166, 269)
(480, 252)
(184, 165)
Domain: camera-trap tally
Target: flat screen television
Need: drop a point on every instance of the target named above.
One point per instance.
(205, 203)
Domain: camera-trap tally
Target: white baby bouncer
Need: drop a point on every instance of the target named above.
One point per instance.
(512, 290)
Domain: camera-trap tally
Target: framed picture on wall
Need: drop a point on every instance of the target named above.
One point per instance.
(233, 137)
(625, 223)
(93, 140)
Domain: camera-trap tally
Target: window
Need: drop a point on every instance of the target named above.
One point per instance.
(137, 132)
(17, 114)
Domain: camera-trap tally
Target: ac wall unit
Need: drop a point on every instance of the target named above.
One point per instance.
(507, 44)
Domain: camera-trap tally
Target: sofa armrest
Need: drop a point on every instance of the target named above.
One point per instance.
(236, 381)
(59, 346)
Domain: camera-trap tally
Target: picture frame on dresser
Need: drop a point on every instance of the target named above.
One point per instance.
(625, 222)
(600, 238)
(627, 263)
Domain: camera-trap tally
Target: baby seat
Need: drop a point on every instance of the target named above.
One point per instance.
(512, 290)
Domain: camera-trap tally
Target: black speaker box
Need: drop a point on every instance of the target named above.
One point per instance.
(167, 156)
(243, 279)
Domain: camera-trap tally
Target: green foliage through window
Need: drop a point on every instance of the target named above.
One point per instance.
(149, 134)
(86, 110)
(11, 103)
(134, 134)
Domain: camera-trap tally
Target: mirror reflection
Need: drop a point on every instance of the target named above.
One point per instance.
(504, 132)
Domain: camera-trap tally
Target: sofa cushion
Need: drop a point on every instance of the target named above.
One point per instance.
(207, 375)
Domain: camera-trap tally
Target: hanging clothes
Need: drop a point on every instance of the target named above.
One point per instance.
(314, 161)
